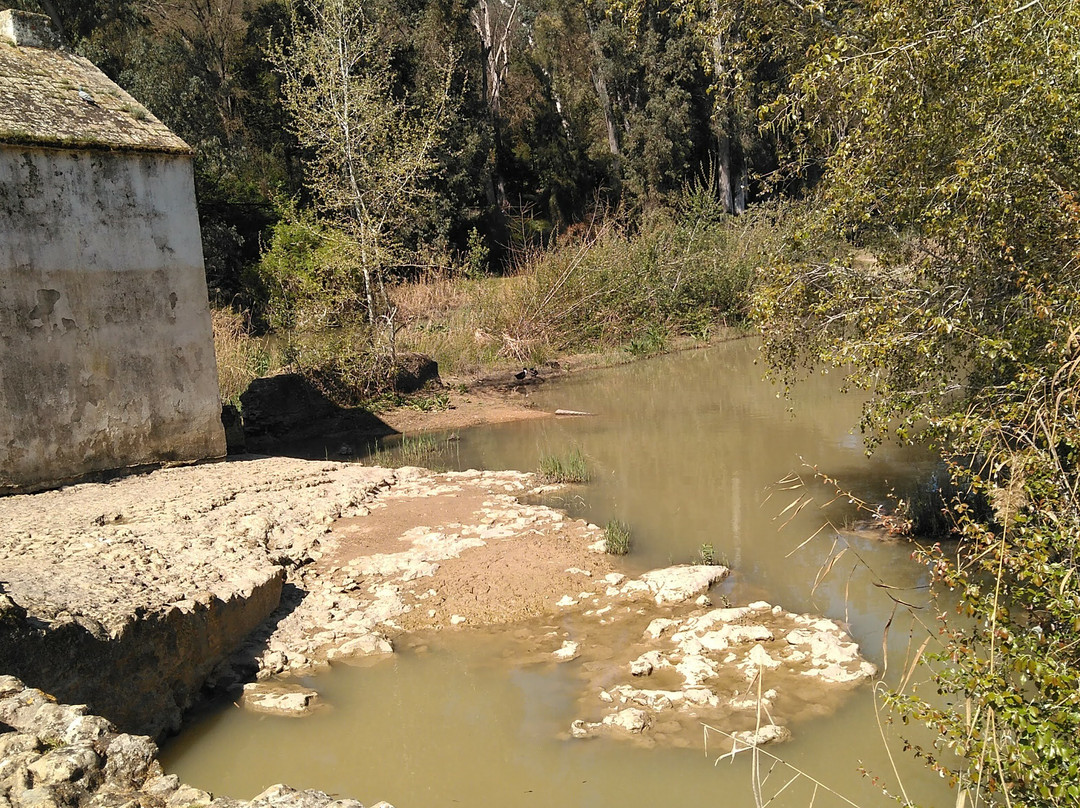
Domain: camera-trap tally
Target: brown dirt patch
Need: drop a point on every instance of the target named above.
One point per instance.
(476, 407)
(506, 580)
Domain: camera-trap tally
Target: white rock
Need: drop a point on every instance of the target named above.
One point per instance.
(739, 634)
(568, 651)
(760, 657)
(645, 664)
(631, 720)
(364, 645)
(770, 733)
(658, 626)
(655, 700)
(279, 699)
(682, 583)
(714, 641)
(701, 696)
(696, 669)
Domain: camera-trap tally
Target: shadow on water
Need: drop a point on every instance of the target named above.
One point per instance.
(687, 450)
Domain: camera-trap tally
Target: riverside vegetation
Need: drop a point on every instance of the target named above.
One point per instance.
(519, 179)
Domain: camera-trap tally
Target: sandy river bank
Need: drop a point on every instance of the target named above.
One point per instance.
(139, 596)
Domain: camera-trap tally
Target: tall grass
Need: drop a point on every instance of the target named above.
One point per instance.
(424, 450)
(241, 357)
(610, 286)
(616, 538)
(617, 284)
(569, 468)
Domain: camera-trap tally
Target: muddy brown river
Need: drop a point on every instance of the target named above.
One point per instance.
(687, 450)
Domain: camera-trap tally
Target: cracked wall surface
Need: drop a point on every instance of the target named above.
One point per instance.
(106, 352)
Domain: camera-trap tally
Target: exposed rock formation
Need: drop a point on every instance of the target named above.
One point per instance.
(723, 666)
(59, 756)
(125, 596)
(415, 371)
(135, 595)
(286, 409)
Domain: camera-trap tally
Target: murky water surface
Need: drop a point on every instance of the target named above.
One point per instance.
(687, 450)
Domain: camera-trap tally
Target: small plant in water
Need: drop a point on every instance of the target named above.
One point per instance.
(708, 556)
(418, 450)
(617, 538)
(569, 469)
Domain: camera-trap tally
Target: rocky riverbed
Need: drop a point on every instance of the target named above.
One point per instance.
(59, 756)
(138, 596)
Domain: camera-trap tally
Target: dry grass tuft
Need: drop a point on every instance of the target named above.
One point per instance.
(241, 358)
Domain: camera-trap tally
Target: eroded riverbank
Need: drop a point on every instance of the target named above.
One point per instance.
(137, 595)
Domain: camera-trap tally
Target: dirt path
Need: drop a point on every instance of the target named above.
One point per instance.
(475, 407)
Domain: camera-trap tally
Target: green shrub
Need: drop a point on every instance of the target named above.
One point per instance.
(308, 278)
(344, 364)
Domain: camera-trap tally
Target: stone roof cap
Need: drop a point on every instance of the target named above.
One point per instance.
(50, 97)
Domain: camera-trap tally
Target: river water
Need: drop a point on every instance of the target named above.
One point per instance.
(686, 449)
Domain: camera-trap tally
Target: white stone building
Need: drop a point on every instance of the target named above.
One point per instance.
(106, 351)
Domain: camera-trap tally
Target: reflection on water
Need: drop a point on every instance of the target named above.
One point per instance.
(686, 449)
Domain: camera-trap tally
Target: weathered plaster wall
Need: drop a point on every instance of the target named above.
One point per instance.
(106, 351)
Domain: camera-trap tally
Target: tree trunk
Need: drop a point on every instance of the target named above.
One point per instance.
(496, 36)
(600, 84)
(723, 166)
(730, 173)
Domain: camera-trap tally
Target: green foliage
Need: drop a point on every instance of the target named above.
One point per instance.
(1008, 665)
(436, 402)
(938, 263)
(569, 468)
(616, 538)
(707, 556)
(620, 285)
(309, 277)
(476, 256)
(651, 341)
(944, 213)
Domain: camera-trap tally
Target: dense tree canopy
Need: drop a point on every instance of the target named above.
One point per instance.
(561, 109)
